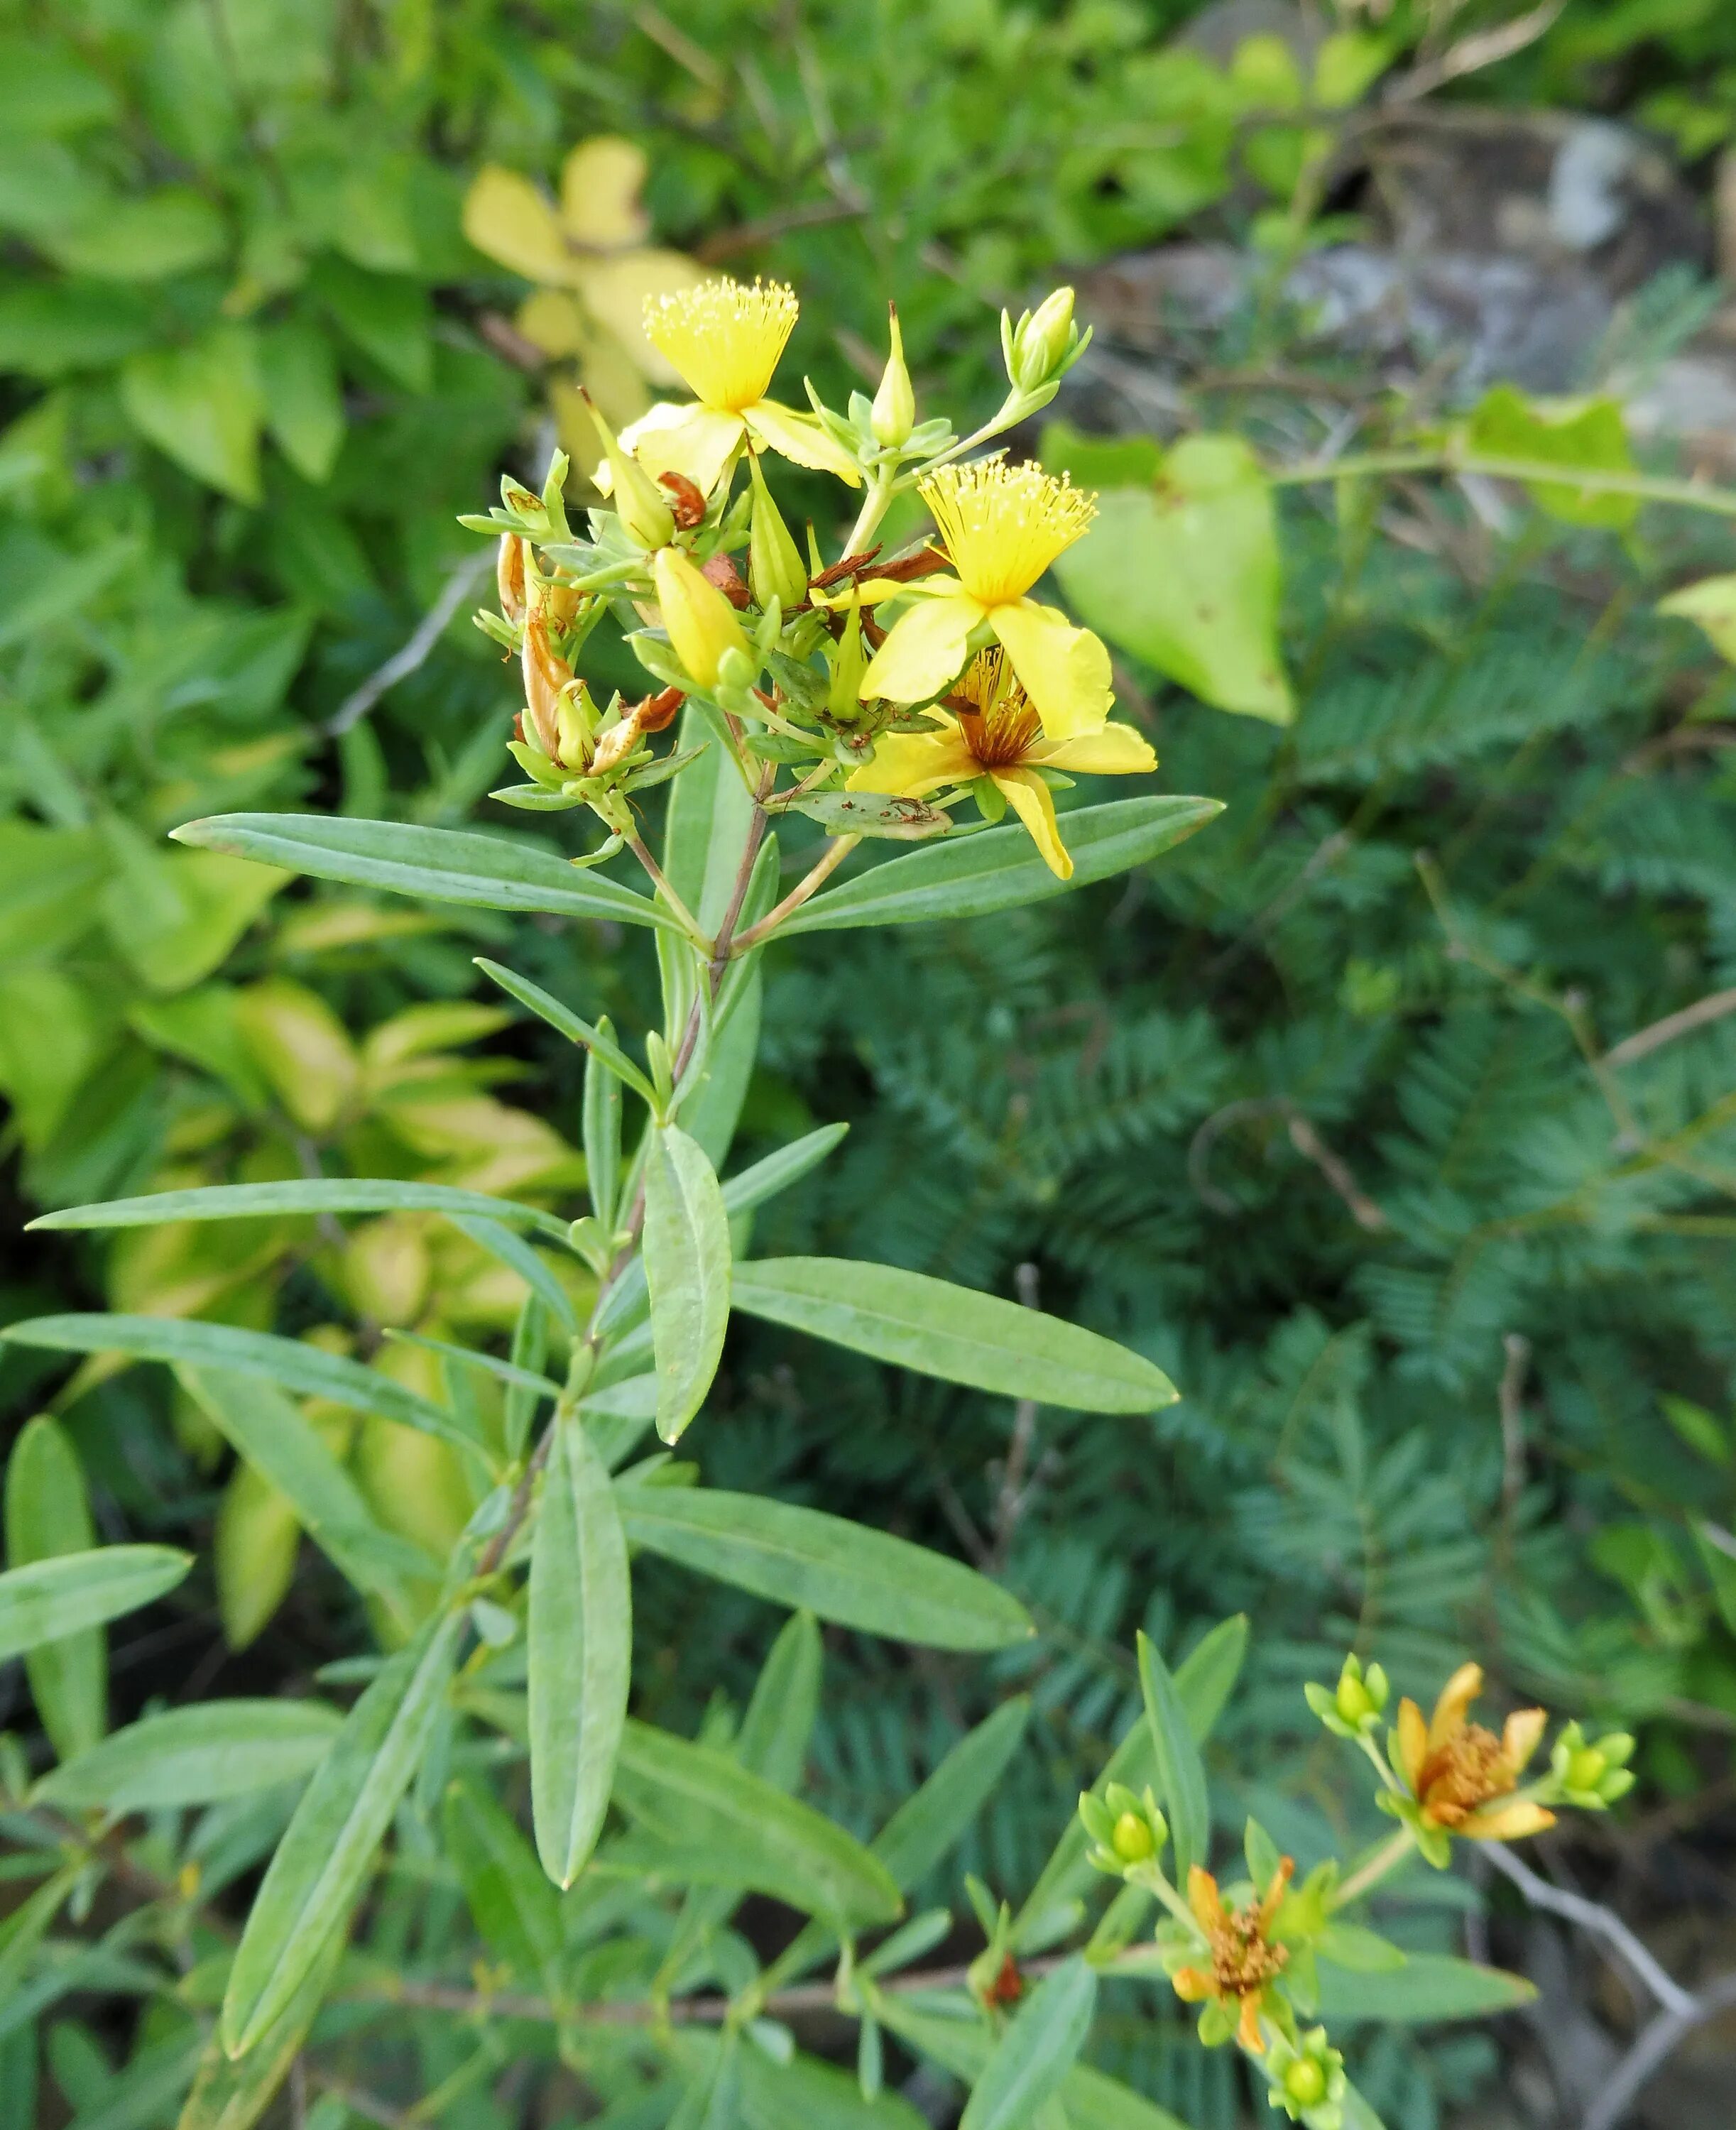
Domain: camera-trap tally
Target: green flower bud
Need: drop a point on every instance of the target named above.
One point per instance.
(1305, 2082)
(1306, 2078)
(894, 413)
(1043, 344)
(641, 505)
(703, 630)
(775, 567)
(1132, 1840)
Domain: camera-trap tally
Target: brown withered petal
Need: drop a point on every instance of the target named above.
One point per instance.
(657, 711)
(912, 566)
(721, 573)
(847, 568)
(686, 499)
(545, 675)
(509, 576)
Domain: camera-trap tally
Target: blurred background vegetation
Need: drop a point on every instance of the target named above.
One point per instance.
(1354, 1115)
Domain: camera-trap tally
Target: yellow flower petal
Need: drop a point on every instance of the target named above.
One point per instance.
(1412, 1741)
(697, 442)
(615, 290)
(550, 319)
(914, 764)
(1456, 1696)
(1117, 750)
(1204, 1898)
(724, 337)
(1034, 803)
(601, 183)
(1064, 669)
(506, 216)
(1505, 1822)
(800, 438)
(923, 649)
(1521, 1735)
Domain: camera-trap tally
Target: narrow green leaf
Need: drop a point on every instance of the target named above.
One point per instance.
(687, 1258)
(1203, 1680)
(999, 868)
(962, 2045)
(195, 1755)
(776, 1171)
(602, 1133)
(775, 1732)
(1031, 2060)
(579, 1650)
(231, 2094)
(807, 2095)
(58, 1596)
(549, 1008)
(1360, 1951)
(144, 2093)
(1429, 1986)
(516, 1909)
(937, 1815)
(324, 1859)
(1181, 1773)
(533, 1384)
(46, 1514)
(437, 865)
(531, 1266)
(739, 1829)
(305, 1370)
(308, 1195)
(843, 1571)
(26, 1926)
(710, 813)
(955, 1333)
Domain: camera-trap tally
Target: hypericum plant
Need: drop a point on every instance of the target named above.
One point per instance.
(609, 1946)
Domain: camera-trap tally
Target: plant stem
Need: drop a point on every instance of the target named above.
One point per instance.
(880, 488)
(1387, 1858)
(678, 909)
(811, 882)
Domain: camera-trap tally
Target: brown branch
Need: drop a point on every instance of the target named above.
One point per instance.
(767, 228)
(1645, 1040)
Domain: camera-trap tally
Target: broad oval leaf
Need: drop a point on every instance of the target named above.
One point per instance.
(686, 1257)
(742, 1829)
(437, 865)
(324, 1859)
(999, 868)
(312, 1195)
(195, 1755)
(72, 1591)
(305, 1370)
(1429, 1986)
(1031, 2060)
(826, 1564)
(580, 1653)
(956, 1333)
(1181, 1775)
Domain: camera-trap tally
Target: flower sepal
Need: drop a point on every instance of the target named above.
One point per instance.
(1354, 1708)
(1128, 1832)
(1306, 2079)
(1591, 1776)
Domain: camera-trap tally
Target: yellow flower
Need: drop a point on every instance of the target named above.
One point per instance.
(722, 339)
(990, 729)
(702, 627)
(1244, 1961)
(1003, 526)
(1463, 1777)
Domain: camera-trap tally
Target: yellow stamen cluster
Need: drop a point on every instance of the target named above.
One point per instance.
(1003, 525)
(724, 336)
(1001, 721)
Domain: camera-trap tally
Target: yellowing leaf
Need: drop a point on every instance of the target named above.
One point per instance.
(601, 183)
(300, 1046)
(508, 217)
(253, 1549)
(1712, 604)
(1587, 434)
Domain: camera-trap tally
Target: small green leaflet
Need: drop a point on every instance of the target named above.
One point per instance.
(324, 1858)
(194, 1755)
(955, 1333)
(1032, 2058)
(1181, 1775)
(438, 865)
(308, 1196)
(999, 868)
(303, 1369)
(687, 1255)
(580, 1650)
(47, 1513)
(71, 1591)
(840, 1570)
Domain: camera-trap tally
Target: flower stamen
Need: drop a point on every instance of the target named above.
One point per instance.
(724, 337)
(1003, 525)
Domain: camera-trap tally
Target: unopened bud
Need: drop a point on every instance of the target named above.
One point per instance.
(1305, 2082)
(849, 662)
(894, 413)
(575, 724)
(545, 675)
(775, 567)
(509, 576)
(1043, 343)
(639, 502)
(701, 622)
(1132, 1840)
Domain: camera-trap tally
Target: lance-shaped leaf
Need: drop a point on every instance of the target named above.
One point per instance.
(230, 2093)
(531, 1266)
(711, 813)
(548, 1008)
(1181, 1775)
(305, 1370)
(1030, 2062)
(686, 1257)
(517, 1911)
(305, 1196)
(53, 1598)
(962, 2045)
(999, 868)
(195, 1755)
(721, 1825)
(327, 1850)
(579, 1651)
(269, 1430)
(47, 1513)
(776, 1171)
(1429, 1986)
(842, 1571)
(956, 1333)
(936, 1814)
(437, 865)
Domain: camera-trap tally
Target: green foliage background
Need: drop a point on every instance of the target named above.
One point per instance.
(249, 385)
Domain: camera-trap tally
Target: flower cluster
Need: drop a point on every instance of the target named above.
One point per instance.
(891, 688)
